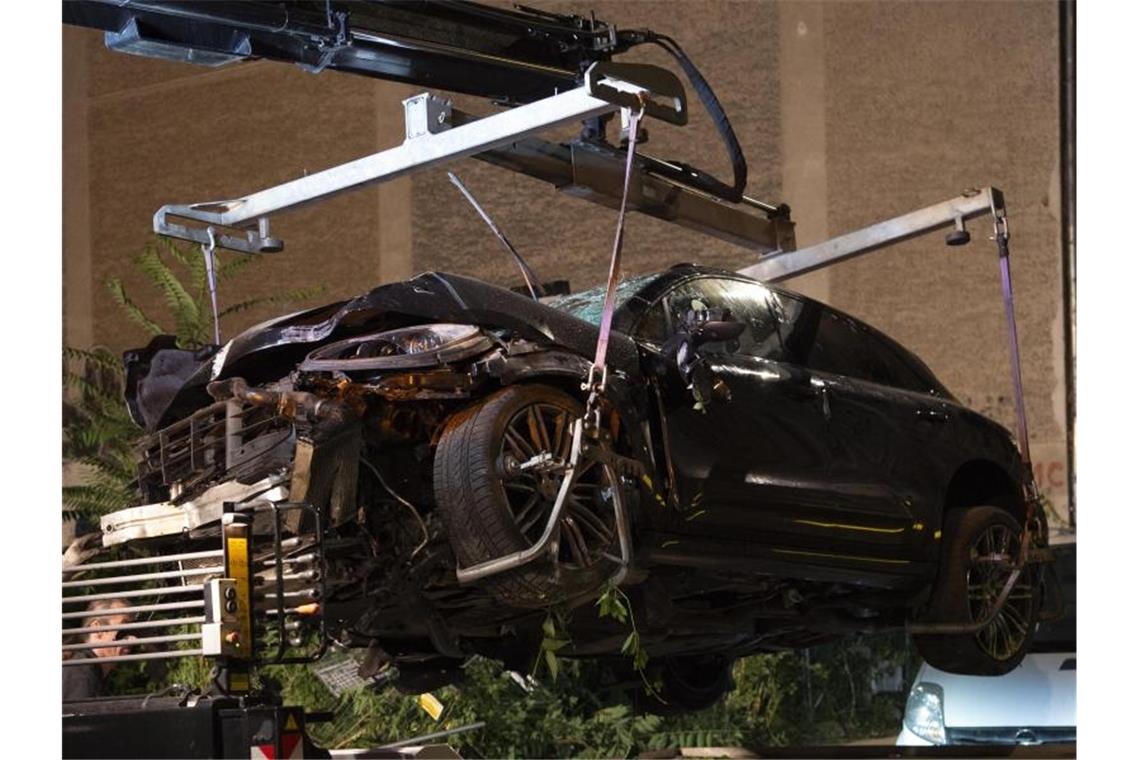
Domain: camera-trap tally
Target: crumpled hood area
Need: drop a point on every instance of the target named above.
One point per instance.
(272, 349)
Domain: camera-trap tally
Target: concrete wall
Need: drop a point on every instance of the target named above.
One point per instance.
(922, 100)
(850, 112)
(141, 133)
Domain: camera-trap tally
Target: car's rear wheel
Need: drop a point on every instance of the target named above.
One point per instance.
(980, 549)
(498, 468)
(686, 683)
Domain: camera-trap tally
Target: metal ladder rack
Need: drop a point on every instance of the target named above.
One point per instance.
(256, 600)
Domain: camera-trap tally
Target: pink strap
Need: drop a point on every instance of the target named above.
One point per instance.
(615, 260)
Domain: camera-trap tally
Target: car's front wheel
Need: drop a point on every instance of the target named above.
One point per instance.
(980, 549)
(498, 468)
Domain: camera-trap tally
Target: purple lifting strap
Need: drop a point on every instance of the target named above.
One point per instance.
(615, 259)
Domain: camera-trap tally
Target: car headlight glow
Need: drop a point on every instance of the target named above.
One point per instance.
(405, 348)
(924, 715)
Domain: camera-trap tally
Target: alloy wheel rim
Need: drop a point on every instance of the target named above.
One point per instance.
(586, 530)
(992, 559)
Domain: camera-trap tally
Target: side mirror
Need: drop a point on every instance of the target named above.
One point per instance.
(687, 373)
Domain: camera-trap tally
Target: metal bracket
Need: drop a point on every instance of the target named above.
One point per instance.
(608, 80)
(426, 114)
(1034, 556)
(971, 204)
(549, 535)
(431, 141)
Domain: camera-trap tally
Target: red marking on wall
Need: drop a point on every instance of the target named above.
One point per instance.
(1050, 475)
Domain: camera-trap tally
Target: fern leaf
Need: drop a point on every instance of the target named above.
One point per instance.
(115, 285)
(184, 309)
(91, 390)
(93, 500)
(182, 255)
(109, 471)
(98, 356)
(289, 296)
(235, 265)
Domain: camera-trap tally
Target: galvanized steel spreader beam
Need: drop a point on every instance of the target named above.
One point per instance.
(956, 211)
(436, 134)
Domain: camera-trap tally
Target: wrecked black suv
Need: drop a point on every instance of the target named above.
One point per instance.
(765, 473)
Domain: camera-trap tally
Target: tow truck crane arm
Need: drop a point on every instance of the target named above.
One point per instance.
(511, 56)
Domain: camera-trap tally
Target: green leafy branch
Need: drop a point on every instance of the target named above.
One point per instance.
(614, 604)
(554, 639)
(178, 272)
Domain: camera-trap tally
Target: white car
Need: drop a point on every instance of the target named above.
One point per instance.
(1035, 703)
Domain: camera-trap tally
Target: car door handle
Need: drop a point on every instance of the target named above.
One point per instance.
(932, 415)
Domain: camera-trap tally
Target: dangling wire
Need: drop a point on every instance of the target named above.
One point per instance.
(533, 284)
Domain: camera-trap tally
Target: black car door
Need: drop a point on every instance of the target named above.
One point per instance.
(890, 435)
(748, 466)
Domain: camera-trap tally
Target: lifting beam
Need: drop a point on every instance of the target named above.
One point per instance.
(782, 265)
(437, 134)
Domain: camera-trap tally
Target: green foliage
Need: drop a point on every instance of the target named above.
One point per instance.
(614, 604)
(789, 698)
(558, 719)
(97, 430)
(178, 273)
(824, 695)
(97, 434)
(554, 639)
(611, 605)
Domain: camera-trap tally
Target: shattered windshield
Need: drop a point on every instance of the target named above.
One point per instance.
(587, 305)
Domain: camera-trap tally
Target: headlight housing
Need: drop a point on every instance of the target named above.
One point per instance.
(405, 348)
(924, 715)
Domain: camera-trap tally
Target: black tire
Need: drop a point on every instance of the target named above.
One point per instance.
(688, 684)
(969, 536)
(482, 519)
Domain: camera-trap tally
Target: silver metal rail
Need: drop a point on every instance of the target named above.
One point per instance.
(435, 145)
(133, 593)
(147, 641)
(550, 533)
(156, 607)
(160, 623)
(143, 561)
(430, 141)
(436, 134)
(165, 655)
(189, 572)
(779, 266)
(216, 616)
(119, 611)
